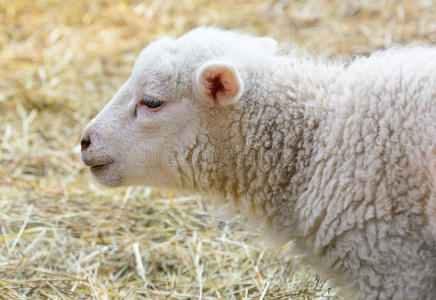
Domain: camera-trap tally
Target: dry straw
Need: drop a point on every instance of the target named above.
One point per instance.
(62, 236)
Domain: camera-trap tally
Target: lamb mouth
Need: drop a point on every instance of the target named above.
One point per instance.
(100, 167)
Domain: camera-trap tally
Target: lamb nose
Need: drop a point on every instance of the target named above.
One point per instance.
(85, 142)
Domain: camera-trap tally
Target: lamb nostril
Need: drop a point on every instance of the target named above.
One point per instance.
(84, 143)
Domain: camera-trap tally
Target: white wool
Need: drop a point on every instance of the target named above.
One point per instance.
(339, 159)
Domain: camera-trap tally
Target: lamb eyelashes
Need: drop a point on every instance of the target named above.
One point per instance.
(151, 102)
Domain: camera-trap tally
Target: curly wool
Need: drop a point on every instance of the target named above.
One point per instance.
(338, 158)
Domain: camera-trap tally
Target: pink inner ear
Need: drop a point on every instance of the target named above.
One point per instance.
(215, 86)
(220, 82)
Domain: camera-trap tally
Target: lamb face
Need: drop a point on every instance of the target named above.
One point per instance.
(181, 91)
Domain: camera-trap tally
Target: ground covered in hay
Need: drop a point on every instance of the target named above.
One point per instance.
(64, 237)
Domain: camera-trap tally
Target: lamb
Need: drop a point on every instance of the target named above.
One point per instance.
(339, 158)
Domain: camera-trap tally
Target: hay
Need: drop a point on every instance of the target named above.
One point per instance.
(62, 236)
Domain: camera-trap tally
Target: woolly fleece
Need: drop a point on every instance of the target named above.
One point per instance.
(339, 158)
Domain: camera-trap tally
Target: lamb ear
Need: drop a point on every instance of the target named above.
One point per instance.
(219, 82)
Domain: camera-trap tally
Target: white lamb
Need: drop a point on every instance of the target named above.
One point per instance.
(340, 159)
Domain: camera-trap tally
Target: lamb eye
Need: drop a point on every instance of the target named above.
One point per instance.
(150, 102)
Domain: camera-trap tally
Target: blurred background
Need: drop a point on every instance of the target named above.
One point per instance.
(64, 237)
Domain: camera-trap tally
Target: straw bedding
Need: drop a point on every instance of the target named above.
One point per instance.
(64, 237)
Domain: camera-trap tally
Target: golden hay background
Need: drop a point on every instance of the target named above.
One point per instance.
(62, 236)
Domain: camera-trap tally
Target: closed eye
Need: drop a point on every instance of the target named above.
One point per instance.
(151, 102)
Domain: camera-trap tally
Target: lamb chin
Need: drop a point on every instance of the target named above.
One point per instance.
(106, 176)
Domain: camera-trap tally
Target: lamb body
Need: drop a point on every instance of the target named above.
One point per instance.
(338, 158)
